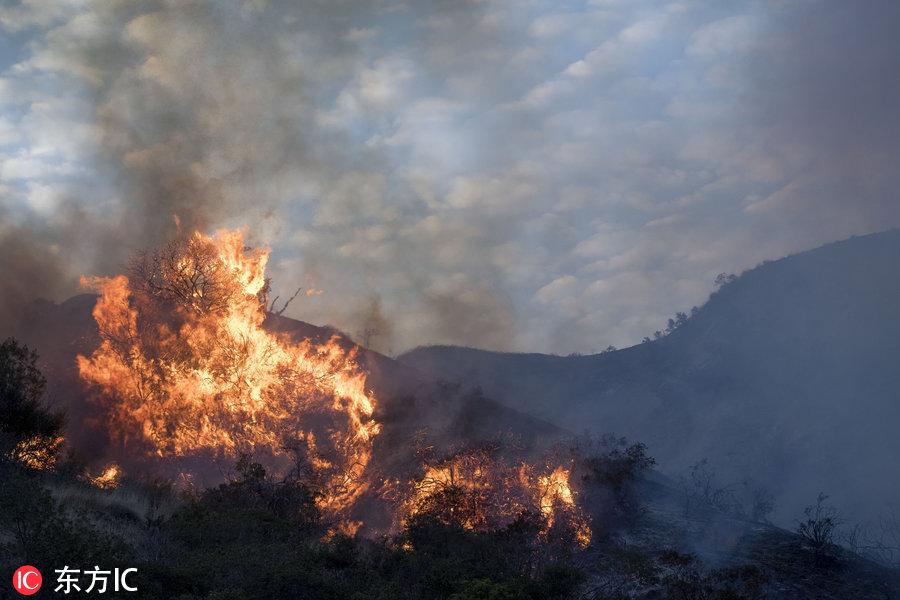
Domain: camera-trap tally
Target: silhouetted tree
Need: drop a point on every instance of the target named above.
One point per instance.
(25, 422)
(818, 525)
(723, 279)
(187, 273)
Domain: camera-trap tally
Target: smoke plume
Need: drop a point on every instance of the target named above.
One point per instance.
(518, 177)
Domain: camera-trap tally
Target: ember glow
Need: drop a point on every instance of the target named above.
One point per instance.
(40, 452)
(108, 479)
(186, 368)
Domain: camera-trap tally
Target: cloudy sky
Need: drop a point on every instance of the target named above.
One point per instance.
(525, 175)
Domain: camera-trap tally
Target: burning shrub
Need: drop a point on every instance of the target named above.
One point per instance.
(185, 275)
(481, 489)
(38, 452)
(108, 479)
(185, 368)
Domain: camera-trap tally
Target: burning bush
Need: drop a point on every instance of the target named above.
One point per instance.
(185, 368)
(482, 489)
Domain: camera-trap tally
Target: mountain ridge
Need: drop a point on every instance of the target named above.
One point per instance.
(755, 380)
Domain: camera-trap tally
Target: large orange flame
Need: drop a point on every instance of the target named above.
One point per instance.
(186, 367)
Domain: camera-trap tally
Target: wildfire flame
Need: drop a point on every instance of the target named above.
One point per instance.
(108, 479)
(39, 452)
(480, 491)
(185, 367)
(554, 490)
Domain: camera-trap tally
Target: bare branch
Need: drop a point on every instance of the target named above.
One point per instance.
(286, 304)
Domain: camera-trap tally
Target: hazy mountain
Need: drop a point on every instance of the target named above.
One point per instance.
(787, 378)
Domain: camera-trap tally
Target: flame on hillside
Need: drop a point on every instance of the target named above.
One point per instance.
(186, 367)
(39, 452)
(108, 479)
(480, 491)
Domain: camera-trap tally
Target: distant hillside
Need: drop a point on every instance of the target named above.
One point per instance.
(788, 377)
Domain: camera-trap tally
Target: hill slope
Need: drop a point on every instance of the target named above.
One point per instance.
(787, 377)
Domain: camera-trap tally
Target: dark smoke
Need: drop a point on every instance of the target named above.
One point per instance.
(210, 114)
(209, 111)
(29, 269)
(201, 108)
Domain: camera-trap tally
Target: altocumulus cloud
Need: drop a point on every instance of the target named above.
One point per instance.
(553, 176)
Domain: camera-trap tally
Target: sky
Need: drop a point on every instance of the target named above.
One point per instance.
(513, 175)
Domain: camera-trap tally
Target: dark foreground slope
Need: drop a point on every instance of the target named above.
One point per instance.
(788, 377)
(234, 542)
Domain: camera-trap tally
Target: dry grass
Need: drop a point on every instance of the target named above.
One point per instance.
(131, 513)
